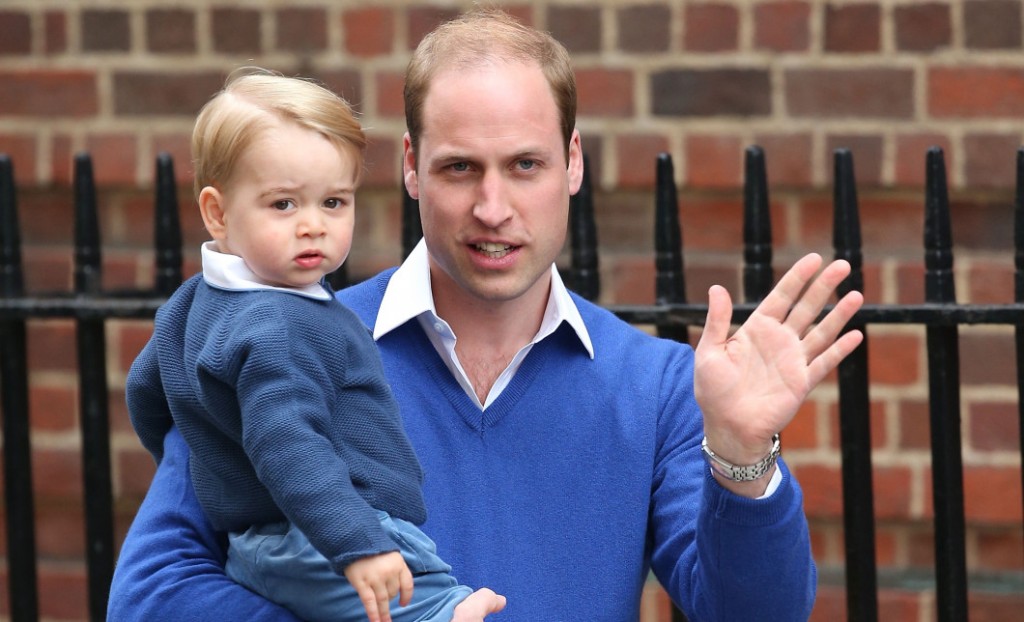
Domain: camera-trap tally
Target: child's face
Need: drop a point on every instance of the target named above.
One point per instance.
(289, 207)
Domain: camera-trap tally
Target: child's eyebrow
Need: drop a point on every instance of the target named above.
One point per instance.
(277, 190)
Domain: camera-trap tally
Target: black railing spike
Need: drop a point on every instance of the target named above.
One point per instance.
(938, 232)
(846, 235)
(670, 286)
(670, 282)
(167, 228)
(757, 229)
(942, 343)
(19, 501)
(854, 411)
(11, 279)
(93, 398)
(412, 229)
(1018, 232)
(585, 279)
(1018, 294)
(87, 228)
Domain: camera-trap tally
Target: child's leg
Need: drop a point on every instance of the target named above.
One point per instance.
(279, 563)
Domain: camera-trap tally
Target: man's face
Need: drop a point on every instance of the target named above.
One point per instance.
(493, 183)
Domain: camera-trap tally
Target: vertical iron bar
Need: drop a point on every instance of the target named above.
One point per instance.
(757, 227)
(669, 286)
(92, 365)
(167, 228)
(670, 281)
(944, 401)
(412, 229)
(855, 411)
(585, 279)
(1018, 293)
(19, 503)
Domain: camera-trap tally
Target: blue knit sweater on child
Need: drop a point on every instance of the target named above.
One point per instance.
(283, 402)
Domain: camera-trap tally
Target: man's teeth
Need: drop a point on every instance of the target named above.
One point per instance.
(494, 250)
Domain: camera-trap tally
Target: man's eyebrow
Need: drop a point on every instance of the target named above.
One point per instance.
(532, 153)
(450, 157)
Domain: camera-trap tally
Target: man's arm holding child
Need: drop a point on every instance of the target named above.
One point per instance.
(172, 561)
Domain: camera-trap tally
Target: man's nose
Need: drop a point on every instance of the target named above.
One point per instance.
(492, 206)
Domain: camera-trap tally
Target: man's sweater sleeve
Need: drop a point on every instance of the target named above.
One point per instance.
(172, 562)
(721, 556)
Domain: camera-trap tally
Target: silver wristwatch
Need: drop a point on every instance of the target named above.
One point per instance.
(742, 473)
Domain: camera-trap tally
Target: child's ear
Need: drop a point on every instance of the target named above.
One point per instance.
(211, 206)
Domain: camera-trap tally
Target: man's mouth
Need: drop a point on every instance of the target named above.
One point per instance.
(494, 250)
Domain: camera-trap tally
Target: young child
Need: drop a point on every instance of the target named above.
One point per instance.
(297, 447)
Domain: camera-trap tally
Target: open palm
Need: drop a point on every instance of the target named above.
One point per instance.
(750, 385)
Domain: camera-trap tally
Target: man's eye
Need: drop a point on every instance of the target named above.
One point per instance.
(460, 167)
(526, 165)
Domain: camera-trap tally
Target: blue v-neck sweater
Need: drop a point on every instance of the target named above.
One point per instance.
(584, 474)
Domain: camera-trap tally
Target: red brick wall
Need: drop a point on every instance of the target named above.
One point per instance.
(698, 79)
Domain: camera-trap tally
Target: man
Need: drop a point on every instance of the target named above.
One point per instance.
(562, 448)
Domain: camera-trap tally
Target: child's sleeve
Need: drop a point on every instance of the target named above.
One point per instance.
(147, 402)
(172, 561)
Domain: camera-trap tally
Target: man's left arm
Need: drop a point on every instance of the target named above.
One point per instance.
(745, 557)
(721, 556)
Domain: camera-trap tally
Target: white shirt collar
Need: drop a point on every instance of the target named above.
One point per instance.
(408, 295)
(225, 271)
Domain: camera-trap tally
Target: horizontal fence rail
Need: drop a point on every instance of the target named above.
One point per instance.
(671, 315)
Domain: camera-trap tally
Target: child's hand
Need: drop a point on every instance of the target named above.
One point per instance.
(377, 579)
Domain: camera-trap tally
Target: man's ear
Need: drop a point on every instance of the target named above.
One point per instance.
(211, 206)
(575, 169)
(412, 184)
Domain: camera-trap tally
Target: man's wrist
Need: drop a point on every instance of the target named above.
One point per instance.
(742, 473)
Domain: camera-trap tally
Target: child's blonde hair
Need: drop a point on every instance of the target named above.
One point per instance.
(251, 97)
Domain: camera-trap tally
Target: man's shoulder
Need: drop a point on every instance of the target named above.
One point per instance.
(364, 298)
(609, 331)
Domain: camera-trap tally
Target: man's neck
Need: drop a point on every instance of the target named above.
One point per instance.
(489, 333)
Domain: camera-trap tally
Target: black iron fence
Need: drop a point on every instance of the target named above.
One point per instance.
(90, 307)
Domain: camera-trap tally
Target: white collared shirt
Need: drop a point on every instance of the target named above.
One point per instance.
(226, 271)
(409, 296)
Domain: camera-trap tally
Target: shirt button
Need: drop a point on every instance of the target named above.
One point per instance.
(439, 327)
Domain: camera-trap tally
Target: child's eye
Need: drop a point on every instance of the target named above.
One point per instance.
(282, 204)
(333, 203)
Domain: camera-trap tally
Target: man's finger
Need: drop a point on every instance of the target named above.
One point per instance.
(806, 309)
(779, 302)
(717, 324)
(823, 336)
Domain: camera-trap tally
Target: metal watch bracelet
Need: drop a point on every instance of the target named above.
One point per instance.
(741, 473)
